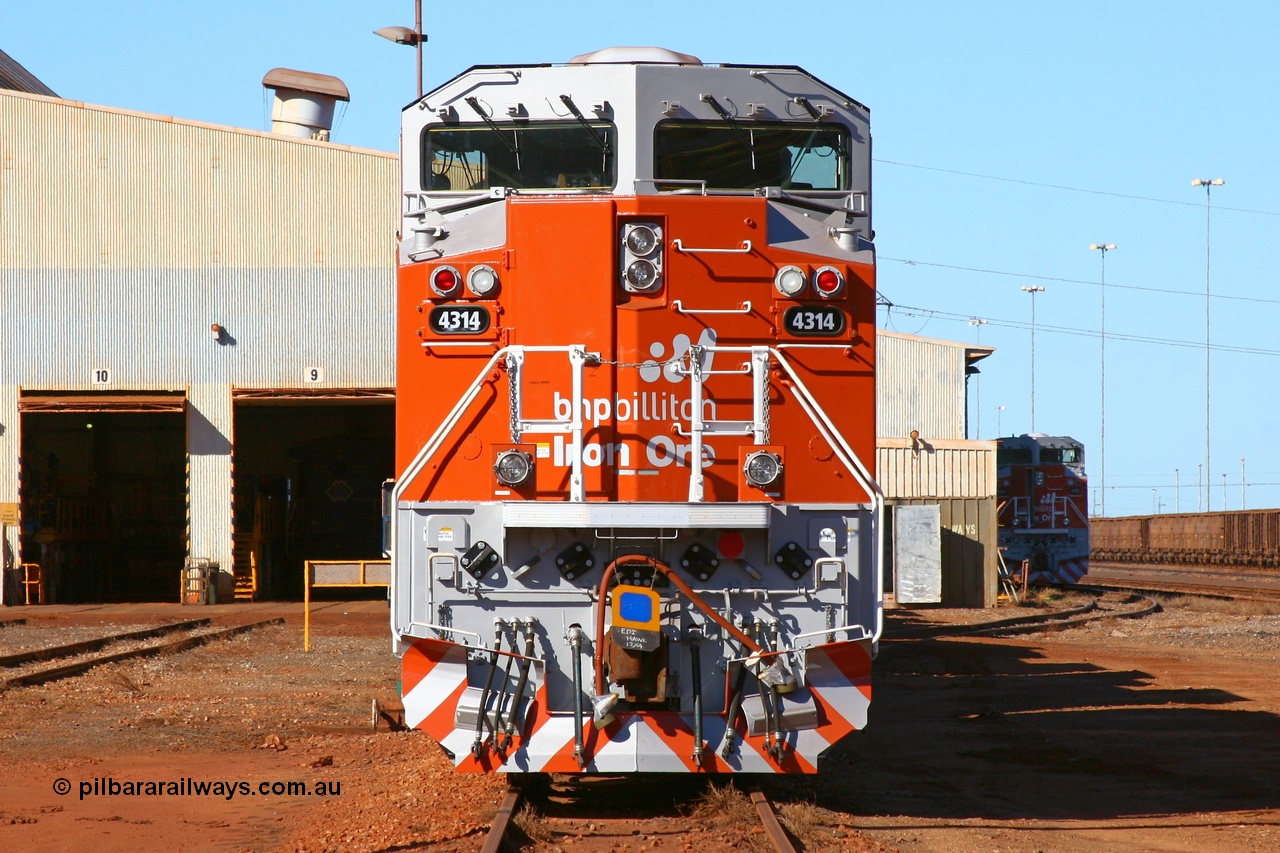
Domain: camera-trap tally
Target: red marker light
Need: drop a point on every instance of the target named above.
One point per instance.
(445, 281)
(828, 281)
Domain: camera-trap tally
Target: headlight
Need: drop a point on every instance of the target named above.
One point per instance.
(762, 468)
(642, 274)
(482, 280)
(642, 240)
(789, 281)
(513, 467)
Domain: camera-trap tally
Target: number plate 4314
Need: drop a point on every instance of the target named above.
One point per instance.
(813, 320)
(459, 319)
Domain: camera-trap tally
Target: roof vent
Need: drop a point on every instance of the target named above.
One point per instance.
(635, 56)
(304, 102)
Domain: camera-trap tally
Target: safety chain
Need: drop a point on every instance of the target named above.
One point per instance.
(639, 364)
(764, 397)
(513, 397)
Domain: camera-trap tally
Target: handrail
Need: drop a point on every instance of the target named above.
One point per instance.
(679, 306)
(744, 249)
(860, 473)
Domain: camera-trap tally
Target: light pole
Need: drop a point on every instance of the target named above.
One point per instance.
(1224, 492)
(1102, 372)
(999, 429)
(1033, 290)
(1201, 491)
(1153, 501)
(1208, 184)
(1242, 482)
(412, 37)
(1177, 491)
(977, 322)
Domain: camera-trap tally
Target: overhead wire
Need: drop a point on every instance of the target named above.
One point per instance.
(1095, 283)
(933, 313)
(1071, 189)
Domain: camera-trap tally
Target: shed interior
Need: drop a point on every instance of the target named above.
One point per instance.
(308, 485)
(104, 504)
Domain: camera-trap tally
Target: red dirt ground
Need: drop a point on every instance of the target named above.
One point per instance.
(1161, 734)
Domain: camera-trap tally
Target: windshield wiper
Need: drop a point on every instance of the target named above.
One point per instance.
(736, 129)
(602, 141)
(513, 148)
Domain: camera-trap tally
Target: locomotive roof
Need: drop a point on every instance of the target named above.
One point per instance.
(1041, 440)
(654, 57)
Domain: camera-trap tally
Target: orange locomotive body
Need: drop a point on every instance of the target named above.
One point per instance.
(632, 527)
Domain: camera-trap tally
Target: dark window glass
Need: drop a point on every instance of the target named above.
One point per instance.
(533, 156)
(1013, 456)
(747, 155)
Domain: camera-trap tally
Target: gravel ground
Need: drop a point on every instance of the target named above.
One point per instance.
(1156, 734)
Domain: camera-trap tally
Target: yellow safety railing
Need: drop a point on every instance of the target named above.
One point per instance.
(334, 574)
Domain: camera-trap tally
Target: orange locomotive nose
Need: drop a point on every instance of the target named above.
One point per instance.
(635, 526)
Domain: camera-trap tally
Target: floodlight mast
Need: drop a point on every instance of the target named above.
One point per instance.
(1033, 290)
(412, 37)
(1208, 184)
(1102, 373)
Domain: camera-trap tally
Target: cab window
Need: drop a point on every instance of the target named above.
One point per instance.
(747, 155)
(528, 156)
(1013, 456)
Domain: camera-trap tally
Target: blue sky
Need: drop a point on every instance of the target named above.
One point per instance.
(1008, 137)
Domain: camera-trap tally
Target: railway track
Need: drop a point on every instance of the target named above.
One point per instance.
(1105, 604)
(78, 657)
(604, 813)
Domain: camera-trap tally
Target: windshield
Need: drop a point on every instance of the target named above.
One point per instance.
(740, 155)
(561, 155)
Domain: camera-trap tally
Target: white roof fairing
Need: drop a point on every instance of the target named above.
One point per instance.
(635, 55)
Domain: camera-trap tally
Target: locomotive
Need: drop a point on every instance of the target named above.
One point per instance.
(1043, 506)
(635, 526)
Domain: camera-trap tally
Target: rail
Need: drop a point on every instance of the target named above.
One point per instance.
(599, 828)
(743, 249)
(681, 309)
(173, 647)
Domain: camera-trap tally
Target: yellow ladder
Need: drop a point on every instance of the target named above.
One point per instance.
(244, 560)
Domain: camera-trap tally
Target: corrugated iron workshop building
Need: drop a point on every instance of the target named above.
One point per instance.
(188, 308)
